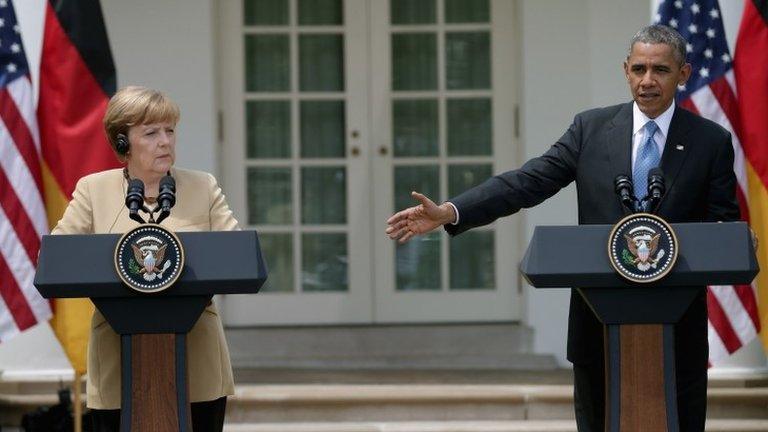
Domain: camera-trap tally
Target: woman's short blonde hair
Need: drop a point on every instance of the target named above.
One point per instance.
(136, 105)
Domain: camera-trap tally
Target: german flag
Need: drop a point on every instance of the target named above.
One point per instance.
(77, 78)
(751, 70)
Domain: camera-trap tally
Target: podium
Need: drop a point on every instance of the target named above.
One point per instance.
(639, 318)
(152, 327)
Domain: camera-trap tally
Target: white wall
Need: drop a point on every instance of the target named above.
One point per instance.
(168, 45)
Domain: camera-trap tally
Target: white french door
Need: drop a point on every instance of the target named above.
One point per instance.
(333, 111)
(443, 122)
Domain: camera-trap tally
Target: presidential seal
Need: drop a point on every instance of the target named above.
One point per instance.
(149, 258)
(642, 248)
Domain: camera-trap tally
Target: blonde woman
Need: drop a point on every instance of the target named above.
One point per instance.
(140, 124)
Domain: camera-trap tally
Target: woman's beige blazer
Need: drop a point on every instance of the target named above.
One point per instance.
(98, 206)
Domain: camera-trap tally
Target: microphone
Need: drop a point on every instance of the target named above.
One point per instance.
(166, 198)
(656, 188)
(167, 195)
(623, 187)
(134, 199)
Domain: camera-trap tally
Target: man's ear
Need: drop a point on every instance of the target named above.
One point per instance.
(625, 66)
(685, 73)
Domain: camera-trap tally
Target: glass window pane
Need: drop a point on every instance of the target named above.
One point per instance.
(424, 179)
(269, 196)
(321, 62)
(415, 126)
(467, 60)
(267, 64)
(463, 177)
(472, 260)
(323, 195)
(412, 11)
(278, 254)
(469, 127)
(268, 126)
(324, 262)
(418, 261)
(265, 12)
(322, 129)
(467, 11)
(414, 61)
(321, 12)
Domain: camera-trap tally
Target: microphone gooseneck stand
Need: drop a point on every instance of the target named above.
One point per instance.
(623, 187)
(134, 199)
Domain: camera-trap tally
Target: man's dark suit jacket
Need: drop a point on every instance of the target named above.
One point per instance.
(697, 163)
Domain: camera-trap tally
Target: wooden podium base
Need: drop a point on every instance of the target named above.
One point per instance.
(154, 383)
(640, 378)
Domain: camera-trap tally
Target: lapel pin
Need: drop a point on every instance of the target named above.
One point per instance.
(679, 147)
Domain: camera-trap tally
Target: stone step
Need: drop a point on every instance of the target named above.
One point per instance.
(445, 396)
(387, 347)
(435, 402)
(474, 426)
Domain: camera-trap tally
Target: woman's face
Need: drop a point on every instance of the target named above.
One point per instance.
(152, 148)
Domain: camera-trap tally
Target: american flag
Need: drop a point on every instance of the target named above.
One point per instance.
(711, 93)
(22, 210)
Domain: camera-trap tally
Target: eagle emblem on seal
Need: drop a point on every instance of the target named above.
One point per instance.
(149, 253)
(643, 246)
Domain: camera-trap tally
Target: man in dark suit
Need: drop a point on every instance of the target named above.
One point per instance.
(696, 157)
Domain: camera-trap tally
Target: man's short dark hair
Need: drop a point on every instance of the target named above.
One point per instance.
(661, 34)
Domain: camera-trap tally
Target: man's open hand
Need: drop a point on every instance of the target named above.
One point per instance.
(419, 219)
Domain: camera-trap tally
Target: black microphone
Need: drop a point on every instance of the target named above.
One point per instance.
(623, 187)
(656, 187)
(166, 198)
(134, 199)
